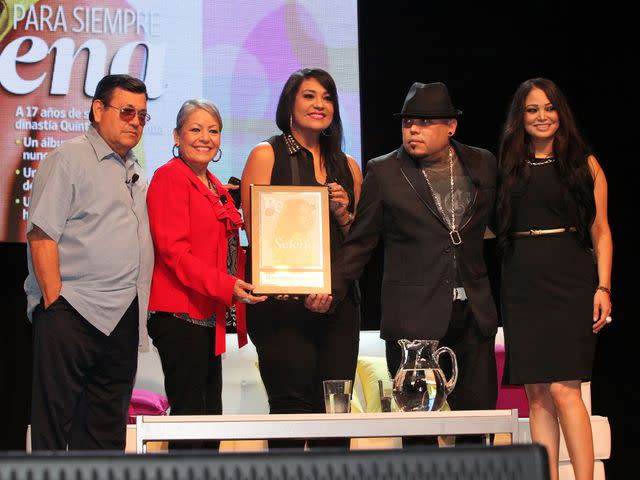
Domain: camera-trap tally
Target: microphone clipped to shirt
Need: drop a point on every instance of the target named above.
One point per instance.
(130, 182)
(134, 178)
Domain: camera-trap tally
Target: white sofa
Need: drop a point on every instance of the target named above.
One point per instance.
(244, 393)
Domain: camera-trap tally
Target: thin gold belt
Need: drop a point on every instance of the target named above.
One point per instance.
(536, 232)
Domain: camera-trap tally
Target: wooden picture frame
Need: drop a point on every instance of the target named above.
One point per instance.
(290, 241)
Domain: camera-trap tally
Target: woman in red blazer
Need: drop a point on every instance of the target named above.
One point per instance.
(197, 288)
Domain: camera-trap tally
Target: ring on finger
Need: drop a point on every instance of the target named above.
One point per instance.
(608, 319)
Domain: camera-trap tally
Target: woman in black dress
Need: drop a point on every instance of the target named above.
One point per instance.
(556, 248)
(299, 344)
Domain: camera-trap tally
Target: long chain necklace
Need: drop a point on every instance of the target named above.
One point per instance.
(456, 239)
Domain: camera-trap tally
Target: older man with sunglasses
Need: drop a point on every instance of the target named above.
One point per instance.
(90, 259)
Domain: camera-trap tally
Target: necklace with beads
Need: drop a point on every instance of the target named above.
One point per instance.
(542, 161)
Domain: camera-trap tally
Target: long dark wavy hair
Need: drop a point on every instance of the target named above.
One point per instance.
(331, 138)
(572, 163)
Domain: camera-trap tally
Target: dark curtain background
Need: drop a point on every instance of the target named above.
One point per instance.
(15, 348)
(482, 53)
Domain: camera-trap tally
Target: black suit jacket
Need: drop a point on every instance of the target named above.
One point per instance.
(417, 284)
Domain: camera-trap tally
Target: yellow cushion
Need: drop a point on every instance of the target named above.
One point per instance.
(356, 405)
(370, 370)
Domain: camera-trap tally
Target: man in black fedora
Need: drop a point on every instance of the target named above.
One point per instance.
(430, 201)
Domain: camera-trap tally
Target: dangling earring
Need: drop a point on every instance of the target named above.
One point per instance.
(324, 132)
(173, 151)
(215, 160)
(290, 121)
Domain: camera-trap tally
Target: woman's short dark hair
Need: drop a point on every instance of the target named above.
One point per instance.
(331, 138)
(106, 86)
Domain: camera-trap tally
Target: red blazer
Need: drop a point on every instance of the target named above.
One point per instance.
(190, 226)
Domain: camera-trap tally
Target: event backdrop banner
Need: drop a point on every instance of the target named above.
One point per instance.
(236, 53)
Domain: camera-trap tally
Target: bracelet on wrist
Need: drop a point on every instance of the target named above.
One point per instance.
(604, 289)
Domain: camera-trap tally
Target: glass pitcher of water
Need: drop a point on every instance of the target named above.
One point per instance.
(420, 384)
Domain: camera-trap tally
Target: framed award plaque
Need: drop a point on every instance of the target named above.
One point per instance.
(290, 253)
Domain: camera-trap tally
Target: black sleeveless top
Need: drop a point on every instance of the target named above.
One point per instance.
(293, 165)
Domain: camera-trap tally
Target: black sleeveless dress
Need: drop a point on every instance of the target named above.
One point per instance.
(548, 284)
(298, 349)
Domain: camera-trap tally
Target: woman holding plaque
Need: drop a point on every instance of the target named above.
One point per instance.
(556, 267)
(299, 344)
(196, 290)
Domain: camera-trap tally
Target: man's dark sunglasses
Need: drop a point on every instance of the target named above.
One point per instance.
(127, 114)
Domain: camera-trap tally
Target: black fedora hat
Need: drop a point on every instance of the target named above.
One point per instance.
(428, 100)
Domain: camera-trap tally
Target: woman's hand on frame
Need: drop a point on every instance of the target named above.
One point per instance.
(318, 303)
(242, 293)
